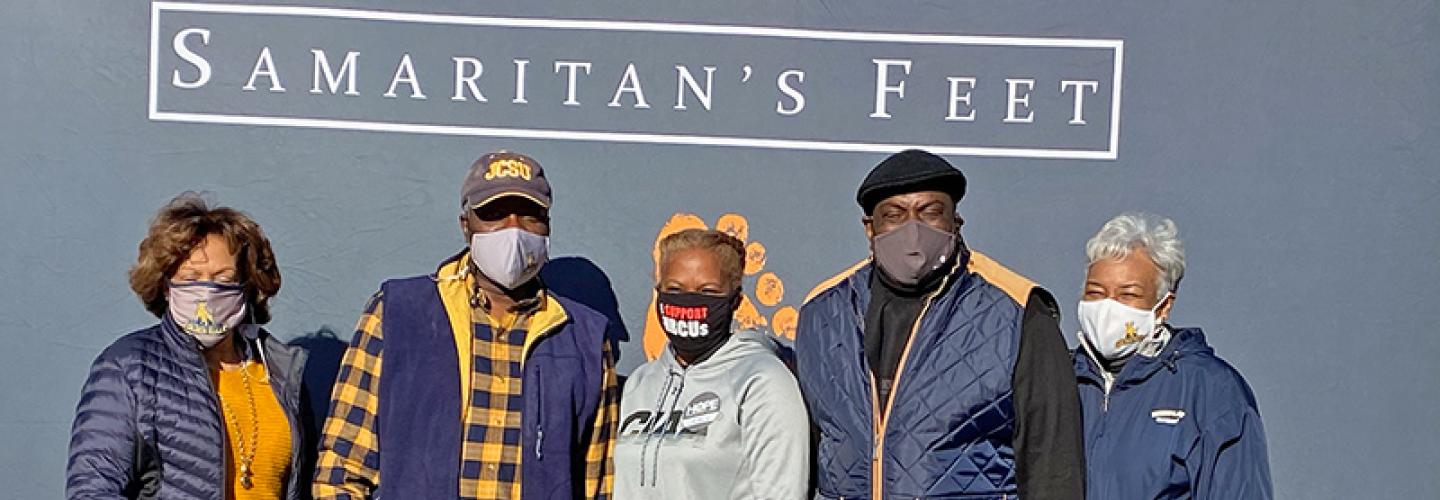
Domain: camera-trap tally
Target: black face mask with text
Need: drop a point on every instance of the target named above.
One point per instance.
(696, 324)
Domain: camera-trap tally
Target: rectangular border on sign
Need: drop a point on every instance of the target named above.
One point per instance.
(1111, 153)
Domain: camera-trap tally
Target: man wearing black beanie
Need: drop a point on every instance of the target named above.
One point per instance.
(930, 370)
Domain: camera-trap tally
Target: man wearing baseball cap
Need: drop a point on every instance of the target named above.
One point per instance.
(931, 371)
(493, 387)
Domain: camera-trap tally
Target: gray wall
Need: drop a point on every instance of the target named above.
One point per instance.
(1294, 143)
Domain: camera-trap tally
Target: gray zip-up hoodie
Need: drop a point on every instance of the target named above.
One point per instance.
(730, 427)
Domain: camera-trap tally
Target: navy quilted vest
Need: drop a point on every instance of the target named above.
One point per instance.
(952, 420)
(419, 428)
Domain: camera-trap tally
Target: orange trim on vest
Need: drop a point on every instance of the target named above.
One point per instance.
(835, 280)
(1016, 286)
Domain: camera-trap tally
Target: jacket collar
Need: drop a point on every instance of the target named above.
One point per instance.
(186, 348)
(281, 360)
(283, 363)
(455, 280)
(1183, 342)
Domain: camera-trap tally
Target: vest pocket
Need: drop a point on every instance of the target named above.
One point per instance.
(548, 411)
(538, 398)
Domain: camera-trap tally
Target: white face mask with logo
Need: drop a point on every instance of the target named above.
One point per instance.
(207, 311)
(509, 257)
(1116, 330)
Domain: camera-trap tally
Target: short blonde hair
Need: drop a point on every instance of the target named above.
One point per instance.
(728, 250)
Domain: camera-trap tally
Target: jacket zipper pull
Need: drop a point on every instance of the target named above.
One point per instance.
(539, 419)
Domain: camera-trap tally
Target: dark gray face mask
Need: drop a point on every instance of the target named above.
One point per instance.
(913, 251)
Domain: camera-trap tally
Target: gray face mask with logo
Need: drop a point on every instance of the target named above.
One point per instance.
(206, 310)
(913, 251)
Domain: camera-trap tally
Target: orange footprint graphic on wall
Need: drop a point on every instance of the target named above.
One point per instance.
(767, 289)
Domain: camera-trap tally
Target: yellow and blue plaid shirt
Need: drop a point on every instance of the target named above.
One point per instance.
(490, 468)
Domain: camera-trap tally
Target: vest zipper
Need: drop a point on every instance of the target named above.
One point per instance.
(539, 391)
(539, 410)
(877, 470)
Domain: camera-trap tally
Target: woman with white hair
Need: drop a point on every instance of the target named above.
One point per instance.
(1164, 416)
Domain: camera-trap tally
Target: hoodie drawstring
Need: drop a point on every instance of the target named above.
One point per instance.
(657, 429)
(674, 401)
(650, 427)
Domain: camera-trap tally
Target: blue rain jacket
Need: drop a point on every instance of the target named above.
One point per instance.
(1182, 424)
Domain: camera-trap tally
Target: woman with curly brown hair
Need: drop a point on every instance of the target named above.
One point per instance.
(205, 405)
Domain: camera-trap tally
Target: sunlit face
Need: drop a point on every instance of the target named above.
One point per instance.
(212, 260)
(505, 213)
(1132, 280)
(694, 270)
(933, 208)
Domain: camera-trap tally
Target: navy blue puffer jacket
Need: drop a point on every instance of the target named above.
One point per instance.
(148, 425)
(951, 423)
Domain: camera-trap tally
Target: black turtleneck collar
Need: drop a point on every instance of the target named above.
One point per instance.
(894, 308)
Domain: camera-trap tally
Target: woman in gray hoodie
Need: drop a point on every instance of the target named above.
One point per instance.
(717, 415)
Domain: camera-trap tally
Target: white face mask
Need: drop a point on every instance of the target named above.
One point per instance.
(509, 257)
(1116, 330)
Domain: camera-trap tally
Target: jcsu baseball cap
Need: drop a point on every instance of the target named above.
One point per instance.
(504, 173)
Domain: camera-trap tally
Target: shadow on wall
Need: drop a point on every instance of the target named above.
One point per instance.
(580, 280)
(325, 351)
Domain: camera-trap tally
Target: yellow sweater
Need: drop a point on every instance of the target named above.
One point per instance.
(271, 465)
